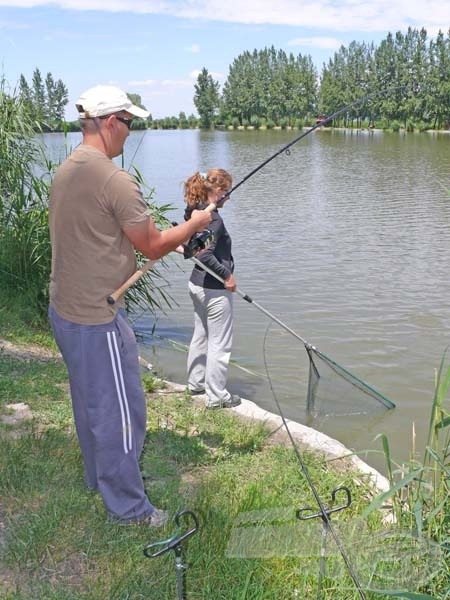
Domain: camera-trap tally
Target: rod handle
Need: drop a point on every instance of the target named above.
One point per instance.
(112, 298)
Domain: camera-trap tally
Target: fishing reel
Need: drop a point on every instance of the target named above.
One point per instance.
(199, 241)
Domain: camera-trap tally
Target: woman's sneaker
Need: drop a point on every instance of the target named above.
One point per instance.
(232, 401)
(197, 392)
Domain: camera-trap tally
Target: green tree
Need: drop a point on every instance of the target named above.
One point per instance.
(45, 100)
(270, 85)
(61, 99)
(137, 100)
(206, 98)
(38, 96)
(25, 95)
(437, 95)
(333, 89)
(301, 83)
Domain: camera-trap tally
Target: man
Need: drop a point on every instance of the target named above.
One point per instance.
(97, 218)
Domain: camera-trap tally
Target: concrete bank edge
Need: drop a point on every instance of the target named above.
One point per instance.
(331, 448)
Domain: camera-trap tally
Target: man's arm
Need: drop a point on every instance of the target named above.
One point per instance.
(155, 243)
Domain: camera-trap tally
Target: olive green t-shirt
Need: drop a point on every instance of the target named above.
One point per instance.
(91, 201)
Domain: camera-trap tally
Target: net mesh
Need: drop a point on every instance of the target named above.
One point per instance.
(332, 390)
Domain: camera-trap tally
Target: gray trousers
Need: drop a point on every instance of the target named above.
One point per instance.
(109, 410)
(210, 347)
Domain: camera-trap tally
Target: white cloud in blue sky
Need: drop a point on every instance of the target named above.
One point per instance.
(157, 48)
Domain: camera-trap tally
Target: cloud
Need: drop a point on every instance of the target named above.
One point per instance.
(333, 15)
(143, 82)
(195, 48)
(327, 43)
(13, 25)
(214, 74)
(164, 97)
(152, 85)
(123, 50)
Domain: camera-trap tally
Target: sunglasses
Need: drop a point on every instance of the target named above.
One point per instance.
(127, 122)
(124, 120)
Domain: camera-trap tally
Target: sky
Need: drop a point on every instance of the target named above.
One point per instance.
(156, 48)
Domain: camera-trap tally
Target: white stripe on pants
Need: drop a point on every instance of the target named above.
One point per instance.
(109, 408)
(210, 348)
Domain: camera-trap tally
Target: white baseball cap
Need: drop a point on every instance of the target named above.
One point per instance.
(104, 100)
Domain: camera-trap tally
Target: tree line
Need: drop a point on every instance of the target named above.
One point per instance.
(407, 77)
(44, 100)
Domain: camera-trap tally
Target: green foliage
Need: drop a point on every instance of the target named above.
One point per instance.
(137, 101)
(255, 122)
(151, 291)
(45, 100)
(24, 238)
(206, 98)
(408, 78)
(56, 542)
(25, 251)
(420, 490)
(151, 383)
(269, 84)
(139, 124)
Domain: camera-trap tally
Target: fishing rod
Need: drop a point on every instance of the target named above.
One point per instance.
(322, 122)
(324, 512)
(199, 241)
(309, 347)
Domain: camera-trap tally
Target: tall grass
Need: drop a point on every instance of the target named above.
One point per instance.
(25, 252)
(420, 490)
(24, 238)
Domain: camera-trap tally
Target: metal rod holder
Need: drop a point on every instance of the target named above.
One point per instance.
(325, 516)
(175, 543)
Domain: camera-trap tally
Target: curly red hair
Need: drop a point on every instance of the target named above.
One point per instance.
(197, 187)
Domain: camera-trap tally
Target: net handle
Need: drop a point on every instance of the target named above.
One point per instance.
(309, 347)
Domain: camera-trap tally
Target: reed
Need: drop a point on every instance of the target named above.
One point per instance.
(24, 239)
(25, 252)
(57, 544)
(420, 490)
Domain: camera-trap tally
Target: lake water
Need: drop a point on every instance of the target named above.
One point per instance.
(346, 240)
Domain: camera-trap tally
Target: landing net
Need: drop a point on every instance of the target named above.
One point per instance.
(334, 391)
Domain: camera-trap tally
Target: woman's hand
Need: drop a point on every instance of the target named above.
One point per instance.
(230, 284)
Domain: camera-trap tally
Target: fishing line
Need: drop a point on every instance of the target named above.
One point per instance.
(149, 264)
(334, 371)
(322, 122)
(137, 148)
(322, 508)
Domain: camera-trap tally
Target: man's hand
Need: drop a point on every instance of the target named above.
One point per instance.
(201, 219)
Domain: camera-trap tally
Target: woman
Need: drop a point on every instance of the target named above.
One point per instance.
(210, 348)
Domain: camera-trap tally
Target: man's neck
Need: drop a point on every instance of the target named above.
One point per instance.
(97, 142)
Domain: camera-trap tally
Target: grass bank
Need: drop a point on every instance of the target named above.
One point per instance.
(55, 543)
(55, 539)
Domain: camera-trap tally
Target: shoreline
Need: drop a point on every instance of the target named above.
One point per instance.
(311, 438)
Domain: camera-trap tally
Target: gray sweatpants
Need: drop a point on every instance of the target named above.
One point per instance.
(109, 409)
(210, 347)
